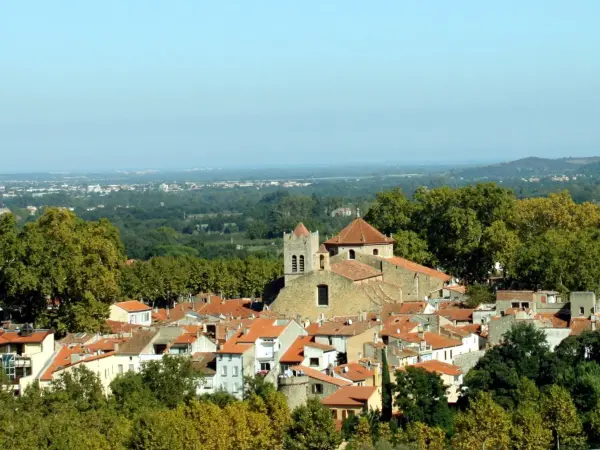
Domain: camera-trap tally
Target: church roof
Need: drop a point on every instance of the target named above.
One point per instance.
(301, 230)
(354, 270)
(359, 232)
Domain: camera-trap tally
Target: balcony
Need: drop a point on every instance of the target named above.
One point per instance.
(15, 366)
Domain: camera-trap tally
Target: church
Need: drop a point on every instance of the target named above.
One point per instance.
(353, 272)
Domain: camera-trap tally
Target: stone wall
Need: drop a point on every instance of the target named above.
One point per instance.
(306, 246)
(497, 328)
(295, 390)
(299, 297)
(467, 361)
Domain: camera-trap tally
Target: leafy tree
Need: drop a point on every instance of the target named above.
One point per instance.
(529, 432)
(483, 425)
(560, 415)
(257, 385)
(421, 396)
(524, 353)
(424, 437)
(478, 294)
(312, 428)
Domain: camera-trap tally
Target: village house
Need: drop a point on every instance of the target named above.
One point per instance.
(351, 401)
(24, 353)
(306, 352)
(450, 374)
(255, 348)
(347, 337)
(131, 311)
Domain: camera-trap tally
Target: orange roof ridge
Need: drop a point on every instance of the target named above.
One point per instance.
(133, 306)
(301, 230)
(359, 232)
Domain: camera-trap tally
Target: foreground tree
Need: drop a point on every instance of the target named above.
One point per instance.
(312, 428)
(421, 396)
(483, 425)
(560, 415)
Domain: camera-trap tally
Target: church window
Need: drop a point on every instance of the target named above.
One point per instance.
(294, 263)
(322, 295)
(351, 254)
(301, 263)
(375, 252)
(322, 261)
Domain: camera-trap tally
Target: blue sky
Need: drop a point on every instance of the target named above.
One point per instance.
(103, 85)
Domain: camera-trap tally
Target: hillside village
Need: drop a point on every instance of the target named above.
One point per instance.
(344, 303)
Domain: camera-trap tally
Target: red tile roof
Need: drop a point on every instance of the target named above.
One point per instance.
(243, 339)
(350, 396)
(457, 314)
(438, 341)
(353, 371)
(121, 327)
(132, 306)
(301, 230)
(334, 328)
(580, 324)
(414, 267)
(14, 337)
(439, 367)
(456, 288)
(354, 270)
(412, 308)
(359, 232)
(313, 373)
(295, 354)
(105, 345)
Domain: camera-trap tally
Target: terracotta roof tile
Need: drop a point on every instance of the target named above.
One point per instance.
(132, 306)
(333, 328)
(412, 308)
(580, 324)
(414, 267)
(137, 342)
(458, 314)
(244, 338)
(359, 232)
(350, 396)
(121, 327)
(353, 371)
(301, 230)
(439, 367)
(438, 341)
(106, 344)
(354, 270)
(14, 337)
(295, 353)
(317, 375)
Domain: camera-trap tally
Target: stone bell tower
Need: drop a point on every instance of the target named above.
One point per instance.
(299, 252)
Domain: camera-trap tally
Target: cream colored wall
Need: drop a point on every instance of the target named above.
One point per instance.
(105, 368)
(118, 314)
(355, 344)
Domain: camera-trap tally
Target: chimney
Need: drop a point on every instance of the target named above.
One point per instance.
(116, 347)
(420, 331)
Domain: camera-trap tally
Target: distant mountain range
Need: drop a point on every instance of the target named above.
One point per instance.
(531, 167)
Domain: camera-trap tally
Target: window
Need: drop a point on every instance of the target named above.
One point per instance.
(344, 414)
(314, 362)
(450, 354)
(301, 263)
(322, 295)
(131, 368)
(334, 413)
(235, 371)
(581, 310)
(317, 388)
(146, 317)
(351, 254)
(235, 387)
(350, 413)
(224, 371)
(330, 340)
(265, 366)
(445, 355)
(322, 262)
(120, 368)
(294, 263)
(375, 252)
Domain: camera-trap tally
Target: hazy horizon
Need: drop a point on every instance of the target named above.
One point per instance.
(97, 87)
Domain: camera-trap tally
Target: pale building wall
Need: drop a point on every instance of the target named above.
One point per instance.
(104, 368)
(306, 246)
(382, 250)
(230, 373)
(40, 355)
(355, 344)
(118, 314)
